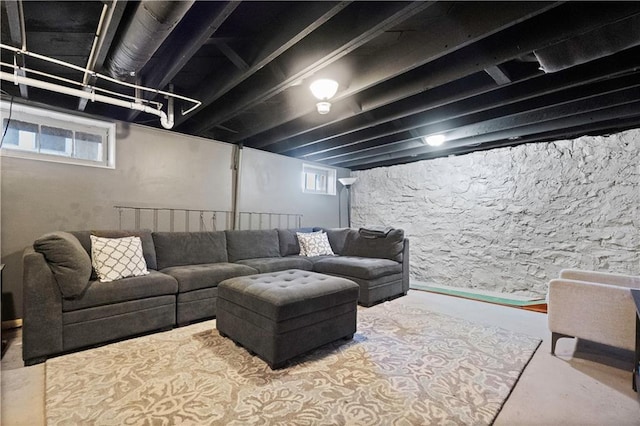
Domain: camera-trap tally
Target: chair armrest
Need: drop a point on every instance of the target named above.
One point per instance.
(602, 313)
(627, 281)
(42, 309)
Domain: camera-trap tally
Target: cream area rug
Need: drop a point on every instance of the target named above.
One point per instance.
(404, 366)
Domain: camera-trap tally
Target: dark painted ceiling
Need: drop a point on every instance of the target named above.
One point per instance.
(473, 71)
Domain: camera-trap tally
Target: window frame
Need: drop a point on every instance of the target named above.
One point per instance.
(330, 176)
(46, 118)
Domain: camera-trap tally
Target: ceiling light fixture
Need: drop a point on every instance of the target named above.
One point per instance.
(324, 89)
(434, 140)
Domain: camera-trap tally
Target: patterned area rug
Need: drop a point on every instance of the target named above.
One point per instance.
(405, 366)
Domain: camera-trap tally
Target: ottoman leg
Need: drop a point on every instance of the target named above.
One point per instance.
(277, 365)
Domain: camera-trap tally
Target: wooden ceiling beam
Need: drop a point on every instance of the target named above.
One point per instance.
(15, 19)
(475, 58)
(400, 141)
(334, 40)
(308, 17)
(465, 24)
(102, 49)
(500, 97)
(621, 104)
(205, 18)
(602, 127)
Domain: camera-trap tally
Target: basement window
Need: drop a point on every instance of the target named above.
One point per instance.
(40, 134)
(318, 180)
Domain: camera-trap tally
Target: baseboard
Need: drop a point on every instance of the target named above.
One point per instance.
(16, 323)
(506, 299)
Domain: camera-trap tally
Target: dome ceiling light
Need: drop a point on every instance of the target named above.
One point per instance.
(434, 140)
(324, 89)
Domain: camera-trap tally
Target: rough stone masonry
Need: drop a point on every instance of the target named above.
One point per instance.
(510, 219)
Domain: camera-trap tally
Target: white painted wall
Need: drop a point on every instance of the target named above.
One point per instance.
(510, 219)
(275, 181)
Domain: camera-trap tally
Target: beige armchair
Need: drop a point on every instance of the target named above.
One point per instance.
(594, 306)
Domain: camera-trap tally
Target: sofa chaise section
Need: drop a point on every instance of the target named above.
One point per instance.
(198, 261)
(380, 265)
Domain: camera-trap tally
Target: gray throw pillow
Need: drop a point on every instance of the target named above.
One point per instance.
(389, 247)
(68, 261)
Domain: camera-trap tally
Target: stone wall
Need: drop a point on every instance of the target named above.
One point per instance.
(510, 219)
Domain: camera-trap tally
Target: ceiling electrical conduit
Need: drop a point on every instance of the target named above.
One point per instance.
(166, 119)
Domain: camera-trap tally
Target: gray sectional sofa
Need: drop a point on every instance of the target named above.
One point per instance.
(67, 308)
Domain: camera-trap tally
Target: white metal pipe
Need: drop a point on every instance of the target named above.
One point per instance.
(196, 102)
(23, 31)
(77, 83)
(17, 79)
(98, 38)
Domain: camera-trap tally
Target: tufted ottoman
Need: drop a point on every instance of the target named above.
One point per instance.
(280, 315)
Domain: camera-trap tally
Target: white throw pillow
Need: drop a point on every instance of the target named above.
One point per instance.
(115, 258)
(314, 244)
(303, 251)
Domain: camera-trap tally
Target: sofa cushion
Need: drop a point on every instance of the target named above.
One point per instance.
(314, 244)
(338, 237)
(272, 264)
(114, 309)
(252, 244)
(359, 267)
(189, 248)
(288, 240)
(133, 288)
(148, 247)
(389, 247)
(68, 261)
(194, 277)
(115, 258)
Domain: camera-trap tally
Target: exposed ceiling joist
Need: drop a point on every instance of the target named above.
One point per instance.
(601, 127)
(406, 69)
(15, 17)
(474, 121)
(104, 37)
(204, 22)
(345, 38)
(503, 97)
(509, 44)
(619, 104)
(458, 28)
(308, 17)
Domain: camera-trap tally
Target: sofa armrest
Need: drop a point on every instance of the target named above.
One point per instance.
(405, 266)
(602, 313)
(601, 277)
(42, 309)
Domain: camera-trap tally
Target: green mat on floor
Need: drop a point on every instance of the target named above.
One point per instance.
(502, 300)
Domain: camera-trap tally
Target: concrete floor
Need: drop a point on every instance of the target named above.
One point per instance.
(585, 384)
